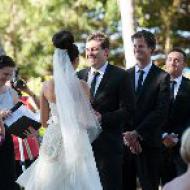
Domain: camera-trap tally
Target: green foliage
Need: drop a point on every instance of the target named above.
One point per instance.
(27, 26)
(169, 18)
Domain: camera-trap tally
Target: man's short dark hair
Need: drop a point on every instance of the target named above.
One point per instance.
(148, 37)
(179, 50)
(100, 36)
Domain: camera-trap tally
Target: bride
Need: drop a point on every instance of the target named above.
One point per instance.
(66, 160)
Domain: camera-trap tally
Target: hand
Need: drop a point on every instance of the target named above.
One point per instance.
(5, 113)
(131, 139)
(2, 132)
(136, 148)
(99, 116)
(128, 139)
(170, 140)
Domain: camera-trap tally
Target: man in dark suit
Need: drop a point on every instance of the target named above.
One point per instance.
(178, 118)
(151, 86)
(113, 100)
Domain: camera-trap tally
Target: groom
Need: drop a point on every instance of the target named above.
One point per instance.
(113, 99)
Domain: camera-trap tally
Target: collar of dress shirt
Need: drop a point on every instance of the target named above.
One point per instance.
(101, 70)
(146, 69)
(178, 81)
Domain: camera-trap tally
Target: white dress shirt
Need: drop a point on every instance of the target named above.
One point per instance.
(177, 85)
(99, 77)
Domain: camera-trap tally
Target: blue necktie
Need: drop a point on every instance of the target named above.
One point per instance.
(93, 83)
(172, 86)
(140, 81)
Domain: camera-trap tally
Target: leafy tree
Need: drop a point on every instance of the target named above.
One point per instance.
(169, 19)
(27, 26)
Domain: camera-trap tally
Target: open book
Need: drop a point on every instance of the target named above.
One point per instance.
(20, 120)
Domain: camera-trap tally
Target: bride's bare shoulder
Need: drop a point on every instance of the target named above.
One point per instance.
(48, 85)
(85, 87)
(48, 90)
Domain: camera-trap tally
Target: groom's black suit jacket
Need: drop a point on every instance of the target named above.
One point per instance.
(114, 99)
(151, 105)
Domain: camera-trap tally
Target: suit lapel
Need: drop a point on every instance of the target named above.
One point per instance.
(132, 77)
(180, 95)
(104, 80)
(147, 82)
(181, 90)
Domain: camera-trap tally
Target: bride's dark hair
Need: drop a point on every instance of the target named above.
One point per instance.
(65, 40)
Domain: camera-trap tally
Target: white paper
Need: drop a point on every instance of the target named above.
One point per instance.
(21, 111)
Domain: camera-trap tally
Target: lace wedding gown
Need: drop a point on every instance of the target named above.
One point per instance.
(51, 172)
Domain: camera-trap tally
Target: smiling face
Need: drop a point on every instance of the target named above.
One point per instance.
(95, 54)
(141, 51)
(175, 64)
(5, 74)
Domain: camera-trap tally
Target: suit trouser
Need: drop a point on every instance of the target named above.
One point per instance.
(172, 165)
(129, 170)
(147, 167)
(110, 170)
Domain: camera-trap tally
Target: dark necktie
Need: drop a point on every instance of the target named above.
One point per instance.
(172, 86)
(140, 81)
(93, 83)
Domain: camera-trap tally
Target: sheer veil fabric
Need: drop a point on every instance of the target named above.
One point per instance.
(74, 110)
(66, 160)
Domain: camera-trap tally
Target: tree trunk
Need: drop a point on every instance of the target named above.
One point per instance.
(169, 16)
(2, 51)
(127, 20)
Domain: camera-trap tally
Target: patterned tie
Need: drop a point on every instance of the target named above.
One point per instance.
(172, 86)
(93, 83)
(140, 81)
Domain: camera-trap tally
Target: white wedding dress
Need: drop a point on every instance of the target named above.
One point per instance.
(66, 160)
(50, 172)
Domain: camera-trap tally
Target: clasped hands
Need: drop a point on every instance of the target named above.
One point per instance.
(98, 115)
(131, 139)
(170, 140)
